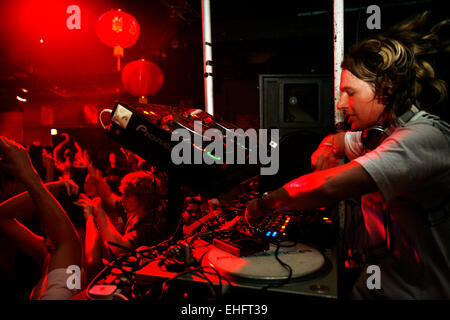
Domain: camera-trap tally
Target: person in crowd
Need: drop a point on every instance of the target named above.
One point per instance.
(71, 160)
(115, 169)
(142, 206)
(198, 211)
(399, 164)
(42, 162)
(63, 156)
(192, 211)
(60, 253)
(97, 193)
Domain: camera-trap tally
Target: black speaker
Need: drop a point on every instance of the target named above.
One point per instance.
(302, 108)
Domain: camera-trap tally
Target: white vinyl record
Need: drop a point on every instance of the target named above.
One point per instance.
(263, 266)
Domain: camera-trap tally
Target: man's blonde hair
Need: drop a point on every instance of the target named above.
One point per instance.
(396, 64)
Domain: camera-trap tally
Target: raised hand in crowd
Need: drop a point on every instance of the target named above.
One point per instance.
(63, 249)
(81, 157)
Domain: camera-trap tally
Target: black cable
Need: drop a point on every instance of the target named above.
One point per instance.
(112, 264)
(219, 276)
(139, 255)
(134, 291)
(283, 264)
(197, 270)
(98, 276)
(217, 293)
(164, 286)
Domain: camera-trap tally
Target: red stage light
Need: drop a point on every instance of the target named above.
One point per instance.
(119, 30)
(142, 78)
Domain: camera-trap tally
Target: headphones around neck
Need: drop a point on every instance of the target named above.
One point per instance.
(372, 137)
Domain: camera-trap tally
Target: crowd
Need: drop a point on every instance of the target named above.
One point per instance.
(59, 212)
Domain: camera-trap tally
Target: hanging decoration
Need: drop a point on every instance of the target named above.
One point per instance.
(119, 30)
(142, 78)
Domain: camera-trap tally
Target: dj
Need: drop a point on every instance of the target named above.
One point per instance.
(403, 178)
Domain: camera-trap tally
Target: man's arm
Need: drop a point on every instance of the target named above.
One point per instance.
(49, 165)
(57, 149)
(54, 220)
(108, 232)
(329, 152)
(104, 191)
(57, 226)
(27, 241)
(22, 205)
(315, 190)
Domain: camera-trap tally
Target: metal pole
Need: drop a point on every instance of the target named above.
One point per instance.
(338, 30)
(338, 44)
(207, 57)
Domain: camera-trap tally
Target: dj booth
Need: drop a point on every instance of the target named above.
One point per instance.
(292, 253)
(314, 273)
(205, 271)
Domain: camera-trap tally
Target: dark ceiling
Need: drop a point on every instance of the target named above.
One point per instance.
(249, 37)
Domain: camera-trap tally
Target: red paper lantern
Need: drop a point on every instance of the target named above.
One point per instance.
(142, 78)
(119, 30)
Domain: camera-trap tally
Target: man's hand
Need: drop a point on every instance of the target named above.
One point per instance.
(93, 172)
(324, 157)
(81, 157)
(89, 205)
(16, 161)
(254, 213)
(70, 186)
(329, 153)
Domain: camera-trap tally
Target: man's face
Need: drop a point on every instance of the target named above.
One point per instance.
(131, 204)
(89, 187)
(194, 210)
(358, 101)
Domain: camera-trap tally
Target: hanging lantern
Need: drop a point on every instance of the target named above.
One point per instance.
(119, 30)
(142, 78)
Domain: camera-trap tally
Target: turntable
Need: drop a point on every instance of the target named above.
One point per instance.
(263, 267)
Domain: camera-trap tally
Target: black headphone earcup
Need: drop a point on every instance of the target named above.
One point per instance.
(373, 137)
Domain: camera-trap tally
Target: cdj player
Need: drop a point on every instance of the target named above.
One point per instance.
(147, 129)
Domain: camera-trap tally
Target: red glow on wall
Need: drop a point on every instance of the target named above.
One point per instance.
(40, 41)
